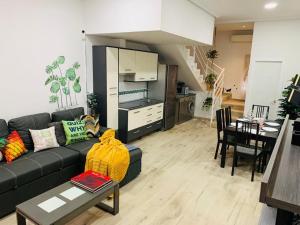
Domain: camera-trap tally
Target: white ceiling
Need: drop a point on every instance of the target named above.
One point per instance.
(250, 10)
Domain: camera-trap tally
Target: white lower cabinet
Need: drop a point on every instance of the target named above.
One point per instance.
(139, 122)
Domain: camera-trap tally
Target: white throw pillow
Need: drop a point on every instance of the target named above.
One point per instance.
(44, 139)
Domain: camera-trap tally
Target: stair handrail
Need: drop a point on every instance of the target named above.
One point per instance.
(199, 54)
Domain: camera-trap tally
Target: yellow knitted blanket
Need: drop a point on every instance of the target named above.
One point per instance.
(109, 157)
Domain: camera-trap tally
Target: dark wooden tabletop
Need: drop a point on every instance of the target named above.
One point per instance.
(32, 211)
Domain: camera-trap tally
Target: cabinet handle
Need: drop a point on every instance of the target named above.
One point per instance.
(136, 112)
(159, 106)
(142, 78)
(149, 121)
(113, 94)
(128, 70)
(158, 118)
(149, 108)
(149, 115)
(137, 131)
(159, 112)
(152, 78)
(113, 88)
(149, 127)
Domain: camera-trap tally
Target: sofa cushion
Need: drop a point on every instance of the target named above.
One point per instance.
(59, 132)
(7, 179)
(83, 147)
(3, 129)
(21, 171)
(23, 124)
(69, 114)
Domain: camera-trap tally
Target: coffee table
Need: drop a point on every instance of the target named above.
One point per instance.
(71, 209)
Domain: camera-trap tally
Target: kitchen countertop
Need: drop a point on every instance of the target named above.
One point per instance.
(183, 95)
(138, 104)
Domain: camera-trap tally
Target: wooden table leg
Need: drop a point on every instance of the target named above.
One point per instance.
(20, 219)
(112, 210)
(284, 217)
(223, 150)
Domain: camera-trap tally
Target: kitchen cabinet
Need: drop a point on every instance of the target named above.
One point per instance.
(146, 66)
(106, 84)
(138, 122)
(127, 62)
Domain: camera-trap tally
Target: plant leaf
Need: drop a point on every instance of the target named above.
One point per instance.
(50, 79)
(53, 99)
(70, 74)
(55, 86)
(54, 65)
(48, 69)
(66, 90)
(77, 86)
(76, 65)
(62, 81)
(60, 60)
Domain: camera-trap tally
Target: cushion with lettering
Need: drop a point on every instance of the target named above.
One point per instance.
(75, 131)
(44, 139)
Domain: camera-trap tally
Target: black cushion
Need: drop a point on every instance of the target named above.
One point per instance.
(3, 129)
(83, 147)
(21, 171)
(59, 132)
(69, 114)
(23, 124)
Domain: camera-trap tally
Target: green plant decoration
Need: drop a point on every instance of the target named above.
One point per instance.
(212, 54)
(207, 103)
(210, 80)
(60, 83)
(286, 107)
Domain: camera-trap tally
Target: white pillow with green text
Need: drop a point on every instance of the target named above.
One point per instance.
(44, 139)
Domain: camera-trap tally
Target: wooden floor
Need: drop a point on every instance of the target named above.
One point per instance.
(181, 184)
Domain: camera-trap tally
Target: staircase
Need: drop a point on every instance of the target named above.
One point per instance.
(237, 105)
(204, 66)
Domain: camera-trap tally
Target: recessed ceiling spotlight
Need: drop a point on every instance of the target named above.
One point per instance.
(271, 5)
(244, 26)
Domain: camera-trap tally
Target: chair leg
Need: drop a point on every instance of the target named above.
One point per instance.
(253, 169)
(233, 162)
(217, 149)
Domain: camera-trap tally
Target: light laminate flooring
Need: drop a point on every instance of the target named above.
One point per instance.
(181, 184)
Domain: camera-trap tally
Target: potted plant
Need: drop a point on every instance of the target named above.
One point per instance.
(207, 103)
(211, 55)
(210, 80)
(92, 103)
(286, 107)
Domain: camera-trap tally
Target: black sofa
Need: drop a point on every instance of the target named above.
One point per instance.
(37, 172)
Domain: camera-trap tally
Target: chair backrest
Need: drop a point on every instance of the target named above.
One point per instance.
(220, 120)
(260, 111)
(228, 118)
(246, 132)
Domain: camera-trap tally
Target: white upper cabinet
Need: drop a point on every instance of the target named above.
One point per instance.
(146, 66)
(127, 64)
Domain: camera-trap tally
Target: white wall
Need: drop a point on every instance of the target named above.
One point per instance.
(275, 41)
(33, 34)
(232, 57)
(107, 16)
(186, 19)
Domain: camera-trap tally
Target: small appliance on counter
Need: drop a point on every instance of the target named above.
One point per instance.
(182, 88)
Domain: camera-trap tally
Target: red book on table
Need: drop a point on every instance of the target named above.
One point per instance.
(91, 181)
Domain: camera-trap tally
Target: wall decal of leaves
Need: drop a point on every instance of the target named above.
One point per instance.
(60, 83)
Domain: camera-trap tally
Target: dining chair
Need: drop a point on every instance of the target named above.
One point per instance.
(228, 118)
(220, 118)
(246, 144)
(260, 111)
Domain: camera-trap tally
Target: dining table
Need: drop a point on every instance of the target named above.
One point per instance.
(268, 137)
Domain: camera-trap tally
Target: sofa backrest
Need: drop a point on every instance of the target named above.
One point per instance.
(3, 129)
(69, 114)
(24, 123)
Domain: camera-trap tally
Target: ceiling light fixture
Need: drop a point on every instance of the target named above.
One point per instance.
(271, 5)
